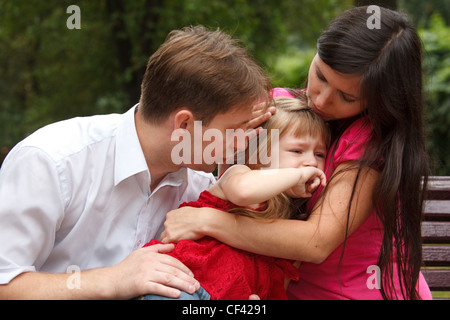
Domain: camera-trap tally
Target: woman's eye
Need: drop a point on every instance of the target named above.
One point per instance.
(320, 76)
(348, 100)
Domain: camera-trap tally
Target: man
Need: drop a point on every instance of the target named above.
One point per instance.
(85, 194)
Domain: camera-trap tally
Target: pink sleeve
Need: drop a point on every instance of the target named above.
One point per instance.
(353, 142)
(350, 146)
(281, 92)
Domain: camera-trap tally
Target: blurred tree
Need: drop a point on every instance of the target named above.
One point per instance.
(391, 4)
(436, 40)
(421, 11)
(49, 73)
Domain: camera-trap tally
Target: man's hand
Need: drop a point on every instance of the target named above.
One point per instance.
(149, 271)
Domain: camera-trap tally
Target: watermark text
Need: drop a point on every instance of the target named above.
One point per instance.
(210, 146)
(74, 20)
(374, 21)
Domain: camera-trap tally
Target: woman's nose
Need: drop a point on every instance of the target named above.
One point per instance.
(323, 98)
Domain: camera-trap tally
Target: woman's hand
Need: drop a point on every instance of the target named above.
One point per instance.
(183, 223)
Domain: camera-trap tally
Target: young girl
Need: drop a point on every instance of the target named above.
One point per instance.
(362, 239)
(266, 194)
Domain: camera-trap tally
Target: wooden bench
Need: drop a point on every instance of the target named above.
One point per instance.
(436, 237)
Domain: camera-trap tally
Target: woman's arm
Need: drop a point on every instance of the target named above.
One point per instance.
(312, 240)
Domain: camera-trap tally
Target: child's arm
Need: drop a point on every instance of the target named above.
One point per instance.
(312, 240)
(244, 186)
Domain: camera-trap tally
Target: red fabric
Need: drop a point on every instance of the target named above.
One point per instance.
(228, 273)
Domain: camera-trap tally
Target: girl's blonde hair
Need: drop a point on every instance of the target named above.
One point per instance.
(292, 114)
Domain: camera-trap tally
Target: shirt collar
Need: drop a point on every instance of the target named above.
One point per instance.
(130, 159)
(178, 178)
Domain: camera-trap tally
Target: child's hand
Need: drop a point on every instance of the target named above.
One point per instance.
(310, 179)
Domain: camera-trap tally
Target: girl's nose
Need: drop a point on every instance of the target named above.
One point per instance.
(310, 160)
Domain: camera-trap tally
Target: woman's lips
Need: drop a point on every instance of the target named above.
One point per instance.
(325, 116)
(314, 108)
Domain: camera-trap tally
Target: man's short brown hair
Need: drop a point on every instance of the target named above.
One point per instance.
(207, 72)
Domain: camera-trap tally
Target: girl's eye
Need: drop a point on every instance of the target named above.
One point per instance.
(296, 151)
(320, 155)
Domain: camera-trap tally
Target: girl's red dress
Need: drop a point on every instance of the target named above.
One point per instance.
(228, 273)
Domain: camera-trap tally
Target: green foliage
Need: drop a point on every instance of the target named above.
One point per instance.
(422, 11)
(49, 73)
(436, 40)
(291, 69)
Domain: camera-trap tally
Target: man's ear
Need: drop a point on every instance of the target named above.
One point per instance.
(183, 119)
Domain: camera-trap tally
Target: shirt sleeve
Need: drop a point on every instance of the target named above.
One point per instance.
(31, 209)
(352, 144)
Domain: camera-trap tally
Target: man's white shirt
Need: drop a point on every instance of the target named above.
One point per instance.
(77, 193)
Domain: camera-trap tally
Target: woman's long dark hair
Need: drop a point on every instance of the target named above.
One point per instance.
(389, 62)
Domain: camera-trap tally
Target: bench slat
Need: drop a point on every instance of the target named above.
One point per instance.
(438, 187)
(436, 255)
(437, 210)
(436, 232)
(437, 279)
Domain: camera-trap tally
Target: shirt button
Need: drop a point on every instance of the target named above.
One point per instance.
(138, 244)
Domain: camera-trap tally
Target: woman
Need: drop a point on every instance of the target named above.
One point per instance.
(367, 83)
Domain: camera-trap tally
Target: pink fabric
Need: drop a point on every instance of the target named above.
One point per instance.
(280, 92)
(354, 277)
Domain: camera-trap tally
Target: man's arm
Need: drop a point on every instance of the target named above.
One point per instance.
(144, 271)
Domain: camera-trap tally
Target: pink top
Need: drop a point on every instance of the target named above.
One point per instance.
(355, 276)
(280, 92)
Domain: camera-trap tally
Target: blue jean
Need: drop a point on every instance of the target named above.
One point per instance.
(200, 294)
